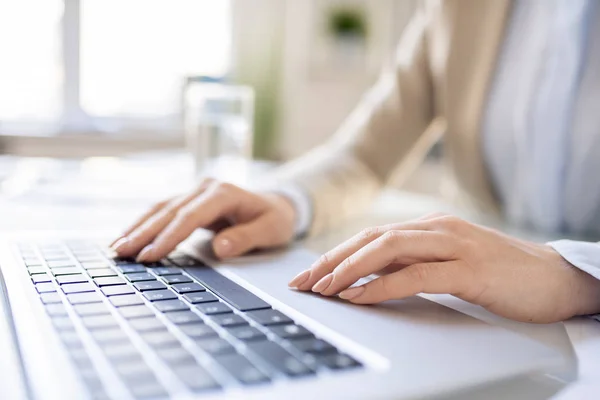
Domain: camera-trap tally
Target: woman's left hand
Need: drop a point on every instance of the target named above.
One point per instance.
(443, 254)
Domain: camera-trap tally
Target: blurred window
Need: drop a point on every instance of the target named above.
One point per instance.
(105, 65)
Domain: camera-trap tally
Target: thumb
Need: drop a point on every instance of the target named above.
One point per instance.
(240, 239)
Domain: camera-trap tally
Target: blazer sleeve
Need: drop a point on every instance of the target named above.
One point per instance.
(343, 175)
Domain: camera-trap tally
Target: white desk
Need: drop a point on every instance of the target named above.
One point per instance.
(97, 208)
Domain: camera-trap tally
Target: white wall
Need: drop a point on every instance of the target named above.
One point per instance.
(274, 41)
(313, 107)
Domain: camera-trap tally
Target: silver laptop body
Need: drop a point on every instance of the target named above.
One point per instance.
(408, 349)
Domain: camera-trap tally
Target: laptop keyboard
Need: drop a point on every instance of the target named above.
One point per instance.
(166, 328)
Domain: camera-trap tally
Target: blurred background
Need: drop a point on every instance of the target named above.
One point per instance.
(94, 83)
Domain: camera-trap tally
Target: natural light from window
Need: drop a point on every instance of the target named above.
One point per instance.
(133, 58)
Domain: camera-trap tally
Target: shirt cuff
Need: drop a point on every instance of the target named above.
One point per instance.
(302, 202)
(583, 255)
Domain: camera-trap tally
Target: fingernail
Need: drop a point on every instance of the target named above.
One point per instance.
(299, 279)
(351, 293)
(145, 254)
(323, 283)
(120, 244)
(223, 247)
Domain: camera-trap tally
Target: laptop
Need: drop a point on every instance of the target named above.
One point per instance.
(86, 325)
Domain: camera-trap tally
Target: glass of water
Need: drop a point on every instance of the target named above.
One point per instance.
(218, 120)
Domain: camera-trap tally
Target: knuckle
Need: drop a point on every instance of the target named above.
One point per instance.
(224, 187)
(393, 238)
(185, 213)
(368, 234)
(324, 259)
(452, 222)
(419, 273)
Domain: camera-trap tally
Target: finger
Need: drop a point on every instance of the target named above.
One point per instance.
(328, 261)
(153, 210)
(201, 212)
(149, 230)
(437, 277)
(394, 247)
(242, 238)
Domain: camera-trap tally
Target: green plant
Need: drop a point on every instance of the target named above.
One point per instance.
(344, 22)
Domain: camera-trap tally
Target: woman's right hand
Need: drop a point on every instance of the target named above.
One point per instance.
(242, 220)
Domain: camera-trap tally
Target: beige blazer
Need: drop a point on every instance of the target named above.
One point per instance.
(438, 85)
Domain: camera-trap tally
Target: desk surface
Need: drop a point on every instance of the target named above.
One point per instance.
(106, 194)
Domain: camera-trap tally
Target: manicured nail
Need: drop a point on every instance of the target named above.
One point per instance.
(351, 293)
(120, 244)
(299, 279)
(323, 284)
(145, 254)
(223, 247)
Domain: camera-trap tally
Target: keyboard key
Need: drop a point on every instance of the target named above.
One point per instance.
(131, 269)
(200, 297)
(197, 331)
(110, 336)
(156, 295)
(41, 278)
(78, 288)
(229, 320)
(61, 264)
(135, 371)
(33, 263)
(109, 281)
(56, 310)
(101, 272)
(136, 312)
(140, 277)
(176, 356)
(171, 279)
(338, 361)
(215, 346)
(121, 352)
(63, 324)
(246, 333)
(290, 331)
(117, 290)
(50, 298)
(45, 288)
(183, 260)
(182, 288)
(83, 298)
(36, 270)
(183, 317)
(196, 378)
(278, 358)
(85, 310)
(77, 278)
(171, 305)
(100, 322)
(147, 390)
(213, 308)
(126, 300)
(95, 265)
(268, 317)
(71, 339)
(160, 339)
(66, 271)
(146, 324)
(162, 271)
(229, 291)
(150, 285)
(242, 369)
(313, 345)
